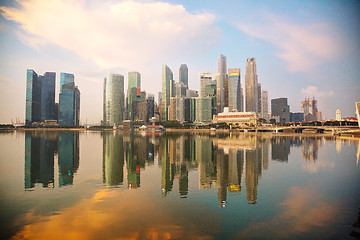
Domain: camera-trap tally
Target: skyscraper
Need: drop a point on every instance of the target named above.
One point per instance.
(134, 81)
(33, 97)
(310, 110)
(259, 104)
(66, 78)
(251, 86)
(183, 75)
(234, 90)
(167, 90)
(69, 105)
(220, 79)
(47, 96)
(264, 105)
(114, 99)
(205, 78)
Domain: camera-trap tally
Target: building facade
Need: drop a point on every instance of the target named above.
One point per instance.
(220, 81)
(184, 75)
(235, 97)
(205, 78)
(33, 97)
(310, 110)
(167, 90)
(47, 96)
(251, 86)
(236, 119)
(134, 81)
(114, 99)
(280, 109)
(264, 105)
(203, 109)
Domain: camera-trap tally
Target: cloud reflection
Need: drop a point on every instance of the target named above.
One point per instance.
(305, 209)
(111, 214)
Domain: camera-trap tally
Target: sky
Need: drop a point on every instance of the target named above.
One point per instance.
(303, 49)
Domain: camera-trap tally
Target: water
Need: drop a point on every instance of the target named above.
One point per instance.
(95, 185)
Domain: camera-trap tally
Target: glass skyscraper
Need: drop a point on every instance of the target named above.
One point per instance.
(183, 75)
(66, 78)
(69, 101)
(114, 99)
(33, 97)
(134, 81)
(235, 97)
(167, 90)
(47, 96)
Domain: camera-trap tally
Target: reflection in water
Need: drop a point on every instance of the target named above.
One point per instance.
(39, 158)
(68, 157)
(222, 161)
(113, 159)
(280, 149)
(165, 167)
(310, 149)
(40, 150)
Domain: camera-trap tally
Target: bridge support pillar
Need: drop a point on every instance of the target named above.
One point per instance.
(276, 130)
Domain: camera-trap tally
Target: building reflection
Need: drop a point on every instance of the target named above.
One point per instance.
(167, 168)
(68, 159)
(40, 149)
(113, 159)
(280, 149)
(310, 148)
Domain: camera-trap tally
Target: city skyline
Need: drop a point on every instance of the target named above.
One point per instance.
(295, 58)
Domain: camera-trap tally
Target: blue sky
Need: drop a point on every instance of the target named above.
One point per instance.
(302, 48)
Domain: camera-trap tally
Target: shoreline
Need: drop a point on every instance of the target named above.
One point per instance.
(351, 135)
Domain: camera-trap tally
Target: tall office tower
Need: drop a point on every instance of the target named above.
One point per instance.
(203, 109)
(210, 91)
(33, 97)
(66, 78)
(134, 81)
(167, 90)
(259, 98)
(114, 99)
(310, 110)
(205, 78)
(264, 105)
(280, 109)
(234, 89)
(104, 101)
(220, 79)
(47, 96)
(183, 75)
(69, 105)
(180, 89)
(251, 88)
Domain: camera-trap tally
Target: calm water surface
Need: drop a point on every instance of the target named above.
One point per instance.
(95, 185)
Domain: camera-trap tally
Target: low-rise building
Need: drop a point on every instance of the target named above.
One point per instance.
(237, 119)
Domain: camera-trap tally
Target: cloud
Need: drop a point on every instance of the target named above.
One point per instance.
(114, 34)
(303, 47)
(312, 91)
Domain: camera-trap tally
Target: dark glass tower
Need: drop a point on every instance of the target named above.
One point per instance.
(33, 97)
(47, 96)
(69, 101)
